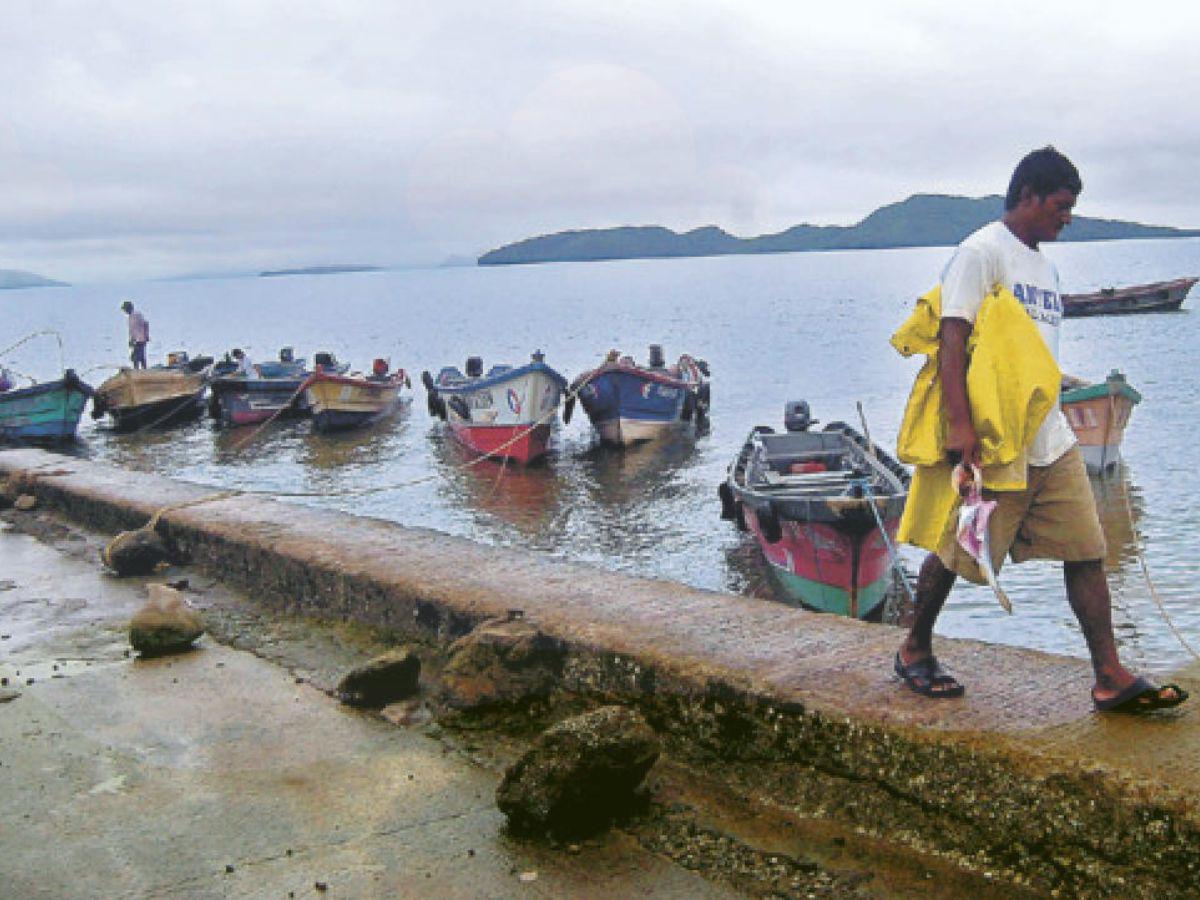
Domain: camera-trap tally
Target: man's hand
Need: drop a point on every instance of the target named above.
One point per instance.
(962, 443)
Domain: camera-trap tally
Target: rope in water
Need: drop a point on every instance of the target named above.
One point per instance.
(893, 554)
(62, 365)
(1162, 609)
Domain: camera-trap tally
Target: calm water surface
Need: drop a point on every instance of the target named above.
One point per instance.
(812, 326)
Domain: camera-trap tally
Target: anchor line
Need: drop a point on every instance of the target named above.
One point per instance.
(892, 553)
(1162, 609)
(62, 362)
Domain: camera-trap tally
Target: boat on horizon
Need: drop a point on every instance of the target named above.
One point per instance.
(629, 403)
(340, 401)
(1158, 296)
(815, 503)
(505, 414)
(45, 412)
(1098, 414)
(160, 395)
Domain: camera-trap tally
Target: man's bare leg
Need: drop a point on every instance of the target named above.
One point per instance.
(1087, 591)
(933, 587)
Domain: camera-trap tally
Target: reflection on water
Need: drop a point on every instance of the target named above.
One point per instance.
(529, 498)
(620, 478)
(1116, 497)
(1116, 500)
(637, 504)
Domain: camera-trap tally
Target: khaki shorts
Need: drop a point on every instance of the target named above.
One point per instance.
(1053, 518)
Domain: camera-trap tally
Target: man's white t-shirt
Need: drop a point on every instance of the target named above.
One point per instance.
(994, 255)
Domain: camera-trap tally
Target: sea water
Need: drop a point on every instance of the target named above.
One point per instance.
(811, 326)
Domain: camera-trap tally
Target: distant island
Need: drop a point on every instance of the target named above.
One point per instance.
(12, 279)
(318, 270)
(923, 220)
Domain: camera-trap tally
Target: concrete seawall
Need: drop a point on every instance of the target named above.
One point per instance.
(799, 710)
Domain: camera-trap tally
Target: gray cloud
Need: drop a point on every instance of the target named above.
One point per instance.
(144, 139)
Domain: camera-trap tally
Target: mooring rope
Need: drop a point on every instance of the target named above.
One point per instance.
(275, 415)
(892, 552)
(1162, 609)
(62, 363)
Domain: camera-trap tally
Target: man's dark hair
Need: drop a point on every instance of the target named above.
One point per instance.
(1043, 172)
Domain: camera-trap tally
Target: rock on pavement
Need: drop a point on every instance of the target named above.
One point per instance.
(580, 773)
(501, 661)
(385, 679)
(166, 624)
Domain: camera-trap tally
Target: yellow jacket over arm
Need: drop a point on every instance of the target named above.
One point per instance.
(1013, 382)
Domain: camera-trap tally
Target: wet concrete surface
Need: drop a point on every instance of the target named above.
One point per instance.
(216, 773)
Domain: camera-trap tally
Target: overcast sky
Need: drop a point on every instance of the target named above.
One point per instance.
(146, 139)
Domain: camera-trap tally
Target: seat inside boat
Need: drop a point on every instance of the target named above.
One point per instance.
(816, 460)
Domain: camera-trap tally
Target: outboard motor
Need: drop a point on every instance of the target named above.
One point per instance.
(323, 360)
(797, 416)
(656, 356)
(287, 355)
(474, 366)
(537, 356)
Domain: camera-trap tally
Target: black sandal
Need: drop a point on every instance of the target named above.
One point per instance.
(1142, 697)
(927, 678)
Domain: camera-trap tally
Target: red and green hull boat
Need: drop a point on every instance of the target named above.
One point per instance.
(824, 508)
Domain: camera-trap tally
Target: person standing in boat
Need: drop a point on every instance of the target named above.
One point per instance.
(139, 335)
(245, 367)
(1053, 513)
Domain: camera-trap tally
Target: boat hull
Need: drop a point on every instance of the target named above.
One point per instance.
(630, 405)
(506, 415)
(341, 402)
(249, 401)
(1099, 414)
(1161, 296)
(138, 398)
(829, 569)
(44, 413)
(624, 431)
(521, 443)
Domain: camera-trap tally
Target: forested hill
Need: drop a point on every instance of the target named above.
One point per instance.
(923, 220)
(15, 278)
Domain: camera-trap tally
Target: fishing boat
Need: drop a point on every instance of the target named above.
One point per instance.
(340, 401)
(824, 507)
(46, 412)
(505, 414)
(629, 403)
(274, 389)
(1159, 296)
(1098, 414)
(159, 395)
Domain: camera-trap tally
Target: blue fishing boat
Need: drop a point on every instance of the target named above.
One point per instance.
(273, 389)
(630, 403)
(43, 413)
